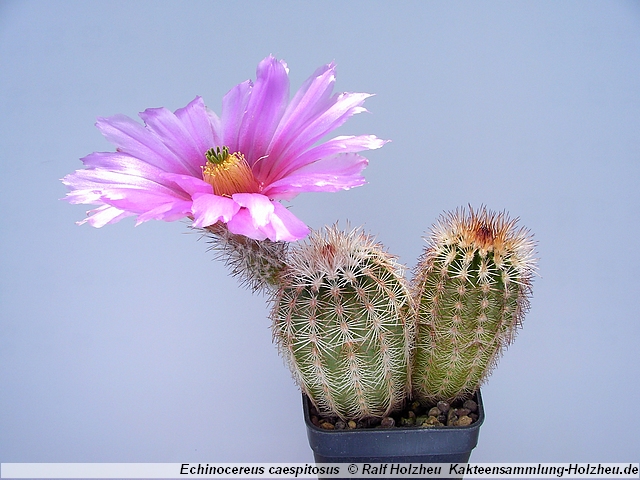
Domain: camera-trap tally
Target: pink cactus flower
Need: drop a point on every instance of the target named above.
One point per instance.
(234, 168)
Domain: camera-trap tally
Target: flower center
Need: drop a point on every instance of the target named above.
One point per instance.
(228, 173)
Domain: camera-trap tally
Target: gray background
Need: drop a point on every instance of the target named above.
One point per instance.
(131, 344)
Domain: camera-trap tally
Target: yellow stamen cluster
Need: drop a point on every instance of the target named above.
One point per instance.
(229, 173)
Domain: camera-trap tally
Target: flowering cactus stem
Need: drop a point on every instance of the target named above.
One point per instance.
(471, 290)
(257, 264)
(343, 321)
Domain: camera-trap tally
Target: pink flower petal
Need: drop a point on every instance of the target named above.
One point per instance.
(310, 101)
(281, 225)
(203, 126)
(98, 181)
(190, 185)
(330, 174)
(242, 223)
(258, 205)
(177, 139)
(329, 149)
(234, 106)
(134, 139)
(123, 163)
(345, 105)
(208, 209)
(147, 203)
(287, 227)
(169, 212)
(264, 110)
(103, 215)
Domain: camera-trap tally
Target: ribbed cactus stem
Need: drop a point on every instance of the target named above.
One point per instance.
(343, 321)
(471, 289)
(257, 264)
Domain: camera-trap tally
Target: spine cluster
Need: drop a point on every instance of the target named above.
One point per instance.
(471, 290)
(343, 321)
(257, 264)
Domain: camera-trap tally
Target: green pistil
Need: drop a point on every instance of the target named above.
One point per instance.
(217, 155)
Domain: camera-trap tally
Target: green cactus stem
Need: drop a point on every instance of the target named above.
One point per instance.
(343, 321)
(471, 290)
(257, 264)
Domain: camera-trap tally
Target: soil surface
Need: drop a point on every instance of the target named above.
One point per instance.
(458, 414)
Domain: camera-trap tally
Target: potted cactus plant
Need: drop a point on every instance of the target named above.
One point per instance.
(363, 343)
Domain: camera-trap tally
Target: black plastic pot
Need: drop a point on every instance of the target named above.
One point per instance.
(394, 445)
